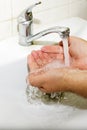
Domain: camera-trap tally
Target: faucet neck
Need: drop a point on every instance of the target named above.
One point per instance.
(62, 31)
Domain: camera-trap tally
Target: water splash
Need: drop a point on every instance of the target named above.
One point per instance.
(35, 96)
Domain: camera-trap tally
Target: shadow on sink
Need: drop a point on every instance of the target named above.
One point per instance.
(35, 96)
(74, 101)
(44, 42)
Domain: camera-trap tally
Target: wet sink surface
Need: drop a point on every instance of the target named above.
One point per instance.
(15, 111)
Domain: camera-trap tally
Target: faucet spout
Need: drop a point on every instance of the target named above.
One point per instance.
(62, 31)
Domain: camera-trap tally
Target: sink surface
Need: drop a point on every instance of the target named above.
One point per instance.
(15, 111)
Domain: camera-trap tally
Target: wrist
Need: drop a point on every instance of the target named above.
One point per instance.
(65, 81)
(73, 80)
(70, 80)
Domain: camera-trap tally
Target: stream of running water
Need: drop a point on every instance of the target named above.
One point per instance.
(66, 52)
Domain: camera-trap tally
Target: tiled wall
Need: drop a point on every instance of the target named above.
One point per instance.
(48, 12)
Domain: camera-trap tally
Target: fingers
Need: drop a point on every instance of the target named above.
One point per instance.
(37, 78)
(42, 58)
(52, 49)
(31, 63)
(47, 58)
(38, 59)
(47, 54)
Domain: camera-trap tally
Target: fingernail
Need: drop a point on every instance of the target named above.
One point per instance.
(34, 54)
(44, 49)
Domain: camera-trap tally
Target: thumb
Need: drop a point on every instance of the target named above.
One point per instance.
(31, 63)
(36, 78)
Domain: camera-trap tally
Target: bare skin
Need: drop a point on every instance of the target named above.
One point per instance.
(72, 79)
(77, 53)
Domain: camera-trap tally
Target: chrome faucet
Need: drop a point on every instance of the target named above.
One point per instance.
(25, 22)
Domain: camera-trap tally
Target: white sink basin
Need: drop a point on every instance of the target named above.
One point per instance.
(15, 111)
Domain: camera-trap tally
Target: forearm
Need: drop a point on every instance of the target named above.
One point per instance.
(78, 82)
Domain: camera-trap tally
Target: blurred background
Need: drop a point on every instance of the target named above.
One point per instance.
(50, 11)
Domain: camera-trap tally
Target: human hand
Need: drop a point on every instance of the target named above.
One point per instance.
(77, 52)
(37, 62)
(39, 59)
(60, 80)
(52, 80)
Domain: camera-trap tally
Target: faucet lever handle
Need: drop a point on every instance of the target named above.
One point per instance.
(29, 9)
(27, 15)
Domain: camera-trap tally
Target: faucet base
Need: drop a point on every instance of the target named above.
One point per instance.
(23, 41)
